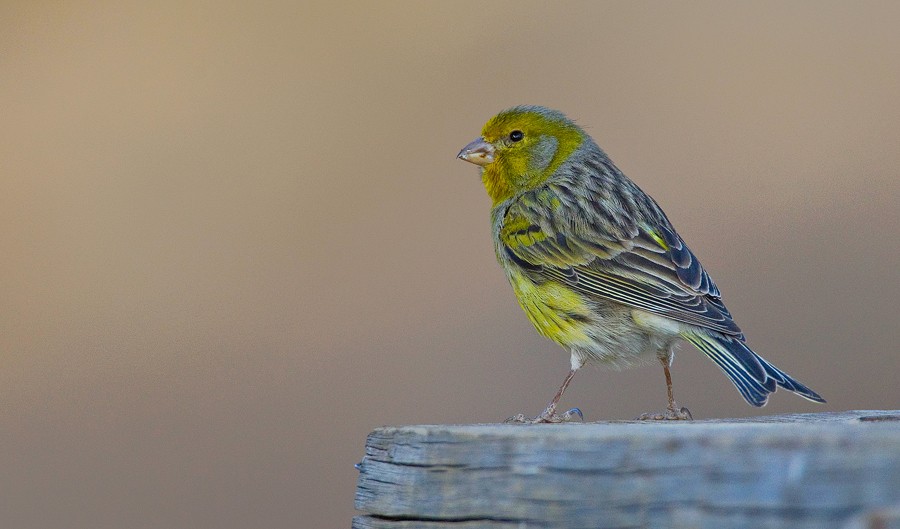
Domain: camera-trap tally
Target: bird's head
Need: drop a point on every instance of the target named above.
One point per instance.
(521, 148)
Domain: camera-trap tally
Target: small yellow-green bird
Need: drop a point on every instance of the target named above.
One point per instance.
(595, 263)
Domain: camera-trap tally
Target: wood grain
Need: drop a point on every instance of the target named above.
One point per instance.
(815, 471)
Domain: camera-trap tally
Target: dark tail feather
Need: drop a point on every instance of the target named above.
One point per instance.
(752, 375)
(784, 380)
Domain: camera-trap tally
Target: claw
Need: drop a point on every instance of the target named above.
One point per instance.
(573, 415)
(518, 418)
(683, 414)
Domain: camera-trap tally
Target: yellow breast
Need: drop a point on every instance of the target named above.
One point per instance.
(556, 311)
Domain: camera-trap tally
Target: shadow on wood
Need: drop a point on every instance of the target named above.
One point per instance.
(815, 471)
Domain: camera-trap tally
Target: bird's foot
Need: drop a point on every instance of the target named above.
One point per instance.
(548, 417)
(671, 414)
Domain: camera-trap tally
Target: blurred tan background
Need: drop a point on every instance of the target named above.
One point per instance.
(235, 238)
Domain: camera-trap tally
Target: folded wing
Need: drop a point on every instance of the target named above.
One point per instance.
(641, 263)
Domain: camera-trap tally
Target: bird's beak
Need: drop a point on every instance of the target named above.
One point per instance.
(478, 152)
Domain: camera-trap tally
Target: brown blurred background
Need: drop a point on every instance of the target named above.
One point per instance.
(235, 237)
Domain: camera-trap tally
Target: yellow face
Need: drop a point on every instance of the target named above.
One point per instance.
(520, 148)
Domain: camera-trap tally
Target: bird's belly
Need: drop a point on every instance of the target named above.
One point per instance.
(595, 331)
(556, 311)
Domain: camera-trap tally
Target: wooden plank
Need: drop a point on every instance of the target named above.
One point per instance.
(815, 471)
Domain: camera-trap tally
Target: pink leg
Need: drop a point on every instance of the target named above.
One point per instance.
(549, 415)
(672, 410)
(551, 408)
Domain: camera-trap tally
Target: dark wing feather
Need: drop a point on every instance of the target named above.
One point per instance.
(619, 259)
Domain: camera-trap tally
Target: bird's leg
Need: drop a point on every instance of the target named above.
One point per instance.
(551, 408)
(549, 415)
(672, 410)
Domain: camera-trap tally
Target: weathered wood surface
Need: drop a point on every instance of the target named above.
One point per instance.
(811, 471)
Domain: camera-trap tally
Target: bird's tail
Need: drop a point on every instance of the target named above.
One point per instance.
(753, 376)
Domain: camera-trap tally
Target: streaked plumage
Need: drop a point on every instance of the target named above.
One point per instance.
(594, 261)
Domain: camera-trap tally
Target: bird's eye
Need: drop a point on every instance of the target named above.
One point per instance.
(516, 135)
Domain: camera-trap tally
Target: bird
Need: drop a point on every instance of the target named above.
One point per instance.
(597, 266)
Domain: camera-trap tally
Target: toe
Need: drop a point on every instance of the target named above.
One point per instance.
(678, 414)
(684, 414)
(518, 418)
(573, 415)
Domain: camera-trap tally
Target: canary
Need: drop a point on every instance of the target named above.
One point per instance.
(596, 264)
